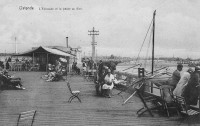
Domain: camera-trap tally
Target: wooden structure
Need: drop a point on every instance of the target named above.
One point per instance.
(44, 56)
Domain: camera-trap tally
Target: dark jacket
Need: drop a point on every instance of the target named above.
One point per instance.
(175, 78)
(191, 91)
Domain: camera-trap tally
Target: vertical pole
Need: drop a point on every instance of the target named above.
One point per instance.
(93, 43)
(93, 46)
(199, 98)
(47, 61)
(153, 48)
(33, 58)
(15, 45)
(153, 42)
(67, 42)
(96, 55)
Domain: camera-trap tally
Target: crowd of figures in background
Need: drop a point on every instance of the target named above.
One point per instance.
(15, 64)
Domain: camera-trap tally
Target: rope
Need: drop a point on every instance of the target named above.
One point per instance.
(148, 49)
(141, 46)
(144, 40)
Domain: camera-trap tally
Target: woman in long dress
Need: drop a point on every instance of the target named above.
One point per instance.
(108, 85)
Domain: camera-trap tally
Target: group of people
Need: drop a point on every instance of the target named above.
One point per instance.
(106, 79)
(9, 82)
(9, 63)
(186, 84)
(56, 72)
(87, 65)
(75, 68)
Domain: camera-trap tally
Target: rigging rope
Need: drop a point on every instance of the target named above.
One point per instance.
(144, 40)
(141, 46)
(146, 58)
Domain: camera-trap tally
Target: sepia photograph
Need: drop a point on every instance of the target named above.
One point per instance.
(99, 63)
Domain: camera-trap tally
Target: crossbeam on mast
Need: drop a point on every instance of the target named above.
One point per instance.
(93, 43)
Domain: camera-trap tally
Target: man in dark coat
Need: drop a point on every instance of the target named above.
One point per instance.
(191, 92)
(100, 69)
(176, 76)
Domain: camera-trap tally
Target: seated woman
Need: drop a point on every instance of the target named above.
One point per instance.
(50, 73)
(10, 81)
(57, 74)
(108, 85)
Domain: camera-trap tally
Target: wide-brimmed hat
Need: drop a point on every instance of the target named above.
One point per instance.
(63, 59)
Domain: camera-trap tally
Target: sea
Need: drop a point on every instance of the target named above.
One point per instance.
(158, 64)
(128, 66)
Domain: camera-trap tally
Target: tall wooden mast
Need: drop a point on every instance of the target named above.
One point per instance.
(154, 14)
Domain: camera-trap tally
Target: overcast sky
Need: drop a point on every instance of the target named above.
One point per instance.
(122, 25)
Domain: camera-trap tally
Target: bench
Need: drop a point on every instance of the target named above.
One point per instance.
(191, 113)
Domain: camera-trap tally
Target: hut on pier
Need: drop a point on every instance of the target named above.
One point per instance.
(45, 55)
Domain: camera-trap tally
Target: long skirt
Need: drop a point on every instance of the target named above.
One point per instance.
(105, 86)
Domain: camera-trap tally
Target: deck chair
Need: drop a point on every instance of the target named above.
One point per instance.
(186, 110)
(75, 94)
(149, 100)
(26, 118)
(168, 99)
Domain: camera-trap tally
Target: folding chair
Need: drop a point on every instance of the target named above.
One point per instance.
(26, 118)
(74, 94)
(168, 99)
(186, 110)
(149, 100)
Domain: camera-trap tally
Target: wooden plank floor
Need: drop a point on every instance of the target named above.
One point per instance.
(50, 101)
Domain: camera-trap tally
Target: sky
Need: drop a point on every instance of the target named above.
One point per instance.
(122, 26)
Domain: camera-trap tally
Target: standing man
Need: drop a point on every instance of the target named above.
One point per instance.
(176, 76)
(84, 65)
(100, 70)
(183, 82)
(191, 92)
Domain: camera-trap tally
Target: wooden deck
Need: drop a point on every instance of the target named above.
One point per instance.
(50, 101)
